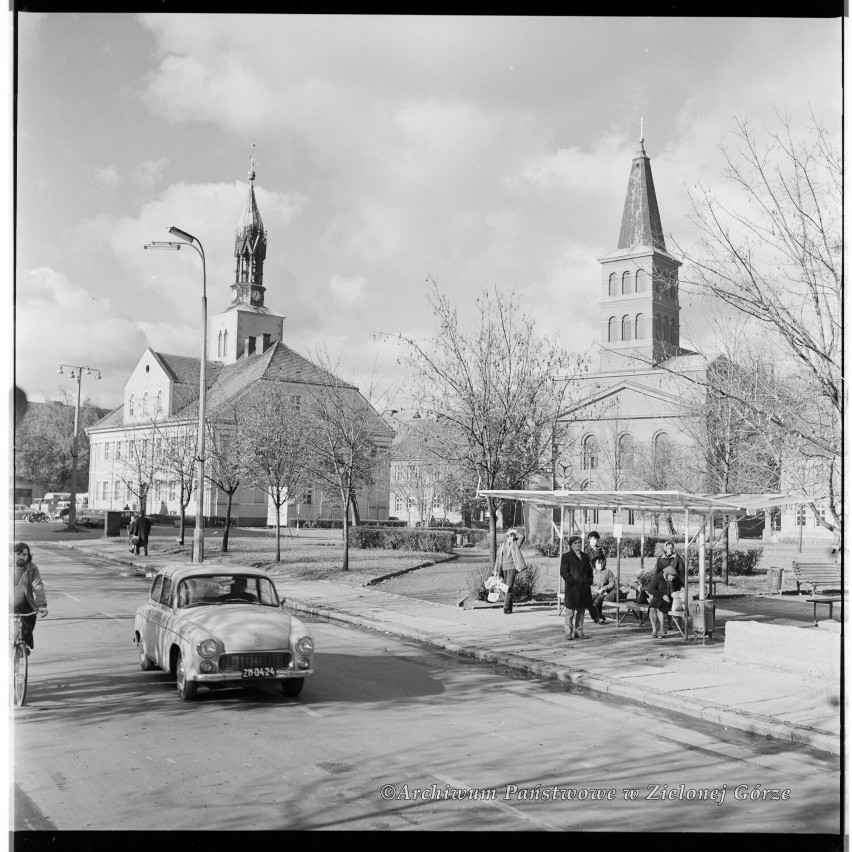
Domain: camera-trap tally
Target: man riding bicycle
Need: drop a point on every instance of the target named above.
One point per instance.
(27, 590)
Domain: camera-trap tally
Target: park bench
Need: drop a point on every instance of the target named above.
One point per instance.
(816, 574)
(625, 608)
(830, 600)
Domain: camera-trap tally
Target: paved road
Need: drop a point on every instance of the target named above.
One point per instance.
(103, 745)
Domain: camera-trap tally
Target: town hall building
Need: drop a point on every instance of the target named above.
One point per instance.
(245, 353)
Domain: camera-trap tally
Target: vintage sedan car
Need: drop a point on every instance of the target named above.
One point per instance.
(90, 517)
(20, 512)
(217, 627)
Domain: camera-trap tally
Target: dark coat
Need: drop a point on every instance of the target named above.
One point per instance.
(676, 560)
(593, 556)
(576, 571)
(659, 586)
(140, 526)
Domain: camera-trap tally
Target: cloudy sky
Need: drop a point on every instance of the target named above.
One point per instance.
(485, 152)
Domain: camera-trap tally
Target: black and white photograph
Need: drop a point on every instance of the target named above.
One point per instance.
(425, 423)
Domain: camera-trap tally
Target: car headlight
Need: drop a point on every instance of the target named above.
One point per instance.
(207, 648)
(305, 645)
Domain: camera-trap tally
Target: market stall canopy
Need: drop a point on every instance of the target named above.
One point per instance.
(736, 505)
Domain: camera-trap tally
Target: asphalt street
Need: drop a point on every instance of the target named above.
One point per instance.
(389, 735)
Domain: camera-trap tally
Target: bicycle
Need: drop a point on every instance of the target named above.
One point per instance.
(20, 658)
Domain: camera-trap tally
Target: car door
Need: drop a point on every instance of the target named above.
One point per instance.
(150, 629)
(161, 617)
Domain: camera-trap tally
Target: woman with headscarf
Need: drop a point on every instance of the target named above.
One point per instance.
(510, 560)
(576, 570)
(661, 589)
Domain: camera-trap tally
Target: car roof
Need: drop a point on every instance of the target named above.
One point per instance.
(181, 570)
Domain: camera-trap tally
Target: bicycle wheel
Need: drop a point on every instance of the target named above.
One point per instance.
(19, 674)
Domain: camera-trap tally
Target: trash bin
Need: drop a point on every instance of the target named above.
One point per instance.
(703, 615)
(112, 524)
(776, 580)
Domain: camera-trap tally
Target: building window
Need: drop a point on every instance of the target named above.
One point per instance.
(145, 403)
(116, 491)
(662, 450)
(591, 514)
(159, 402)
(641, 281)
(613, 285)
(640, 327)
(307, 497)
(625, 328)
(104, 490)
(118, 449)
(259, 495)
(131, 408)
(626, 281)
(225, 344)
(219, 346)
(625, 451)
(612, 329)
(658, 327)
(106, 451)
(590, 453)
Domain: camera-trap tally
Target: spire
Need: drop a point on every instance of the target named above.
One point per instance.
(640, 222)
(250, 245)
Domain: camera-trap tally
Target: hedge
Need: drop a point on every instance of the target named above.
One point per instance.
(327, 524)
(393, 538)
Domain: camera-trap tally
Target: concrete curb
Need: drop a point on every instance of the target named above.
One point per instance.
(376, 580)
(708, 711)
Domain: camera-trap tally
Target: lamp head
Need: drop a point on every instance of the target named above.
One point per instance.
(164, 246)
(183, 235)
(61, 373)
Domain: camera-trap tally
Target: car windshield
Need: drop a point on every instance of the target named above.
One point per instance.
(226, 589)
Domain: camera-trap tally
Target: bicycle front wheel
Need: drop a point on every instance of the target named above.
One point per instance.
(19, 674)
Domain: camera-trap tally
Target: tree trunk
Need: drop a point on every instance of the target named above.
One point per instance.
(346, 536)
(492, 527)
(227, 522)
(277, 532)
(356, 515)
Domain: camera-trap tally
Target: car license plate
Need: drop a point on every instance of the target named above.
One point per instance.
(260, 671)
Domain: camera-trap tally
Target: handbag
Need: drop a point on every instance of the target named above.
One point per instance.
(678, 602)
(134, 539)
(641, 596)
(493, 596)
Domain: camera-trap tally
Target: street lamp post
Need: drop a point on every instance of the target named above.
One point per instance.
(195, 243)
(76, 373)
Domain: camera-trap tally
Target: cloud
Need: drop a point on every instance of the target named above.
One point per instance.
(60, 322)
(107, 176)
(148, 171)
(347, 289)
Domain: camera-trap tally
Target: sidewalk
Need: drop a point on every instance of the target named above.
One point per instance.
(692, 679)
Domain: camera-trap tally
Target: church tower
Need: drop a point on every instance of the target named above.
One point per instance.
(247, 325)
(640, 313)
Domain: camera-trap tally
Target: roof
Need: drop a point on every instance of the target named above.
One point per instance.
(180, 570)
(652, 501)
(640, 221)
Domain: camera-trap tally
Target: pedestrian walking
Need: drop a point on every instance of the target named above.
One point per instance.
(509, 562)
(576, 570)
(139, 532)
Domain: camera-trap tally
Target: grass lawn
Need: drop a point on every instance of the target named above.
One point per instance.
(309, 558)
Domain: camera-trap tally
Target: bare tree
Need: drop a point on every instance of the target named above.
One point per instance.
(276, 441)
(493, 386)
(177, 451)
(775, 254)
(226, 467)
(349, 438)
(139, 465)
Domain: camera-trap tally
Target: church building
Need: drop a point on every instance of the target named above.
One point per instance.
(245, 351)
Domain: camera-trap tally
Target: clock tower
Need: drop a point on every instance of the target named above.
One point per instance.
(246, 326)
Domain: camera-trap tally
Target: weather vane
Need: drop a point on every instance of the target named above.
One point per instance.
(641, 129)
(252, 160)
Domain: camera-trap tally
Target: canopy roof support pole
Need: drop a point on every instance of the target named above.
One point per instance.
(702, 569)
(686, 570)
(560, 592)
(642, 545)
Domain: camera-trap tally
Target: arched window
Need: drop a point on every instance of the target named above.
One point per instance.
(591, 515)
(612, 329)
(225, 344)
(625, 451)
(626, 282)
(667, 334)
(640, 326)
(613, 285)
(160, 401)
(662, 447)
(675, 333)
(219, 347)
(131, 408)
(641, 281)
(658, 327)
(590, 453)
(625, 327)
(145, 403)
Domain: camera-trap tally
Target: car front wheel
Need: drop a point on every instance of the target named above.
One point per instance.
(186, 688)
(292, 688)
